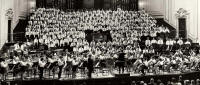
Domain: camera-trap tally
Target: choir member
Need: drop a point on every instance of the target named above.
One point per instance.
(160, 43)
(180, 42)
(148, 42)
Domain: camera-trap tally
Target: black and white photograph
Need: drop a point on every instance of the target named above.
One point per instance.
(99, 42)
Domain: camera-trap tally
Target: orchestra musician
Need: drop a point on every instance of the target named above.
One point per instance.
(23, 67)
(90, 67)
(36, 42)
(85, 60)
(35, 62)
(68, 64)
(102, 60)
(75, 64)
(144, 66)
(154, 43)
(160, 43)
(121, 62)
(136, 64)
(42, 64)
(187, 44)
(147, 42)
(29, 65)
(83, 63)
(127, 56)
(16, 65)
(16, 47)
(3, 68)
(180, 43)
(61, 65)
(169, 44)
(51, 63)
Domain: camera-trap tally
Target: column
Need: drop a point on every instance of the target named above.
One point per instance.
(198, 21)
(9, 15)
(181, 22)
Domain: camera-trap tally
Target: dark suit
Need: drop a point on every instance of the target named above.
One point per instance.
(90, 67)
(121, 62)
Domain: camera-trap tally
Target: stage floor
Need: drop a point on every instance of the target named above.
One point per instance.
(99, 75)
(105, 79)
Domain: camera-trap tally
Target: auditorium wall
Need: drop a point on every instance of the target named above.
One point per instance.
(0, 24)
(192, 19)
(168, 9)
(5, 4)
(21, 9)
(88, 3)
(154, 7)
(198, 22)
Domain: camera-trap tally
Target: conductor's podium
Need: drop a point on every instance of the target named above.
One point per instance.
(124, 75)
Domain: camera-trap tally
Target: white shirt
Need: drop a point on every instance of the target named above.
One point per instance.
(187, 42)
(16, 46)
(3, 64)
(23, 63)
(74, 62)
(60, 62)
(147, 42)
(180, 42)
(167, 42)
(41, 40)
(115, 56)
(146, 63)
(51, 60)
(171, 42)
(22, 47)
(80, 50)
(41, 63)
(35, 40)
(160, 41)
(153, 41)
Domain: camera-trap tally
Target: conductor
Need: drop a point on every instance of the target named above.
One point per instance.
(90, 66)
(121, 62)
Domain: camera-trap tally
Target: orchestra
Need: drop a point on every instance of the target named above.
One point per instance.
(147, 61)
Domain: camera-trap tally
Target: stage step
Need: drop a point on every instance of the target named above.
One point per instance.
(19, 31)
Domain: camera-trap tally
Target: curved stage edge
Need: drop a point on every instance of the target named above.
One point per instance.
(123, 80)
